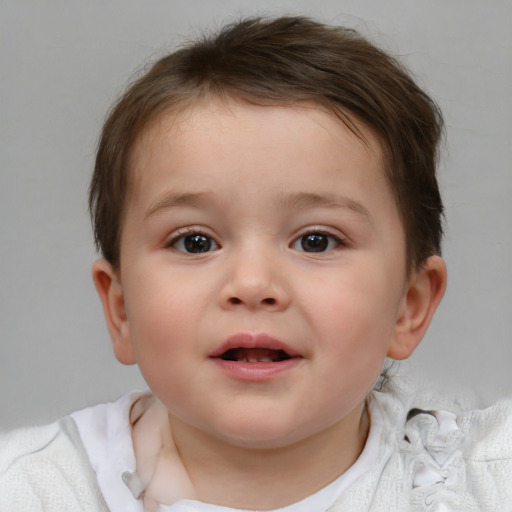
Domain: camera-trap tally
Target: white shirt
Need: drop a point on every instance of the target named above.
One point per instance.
(106, 435)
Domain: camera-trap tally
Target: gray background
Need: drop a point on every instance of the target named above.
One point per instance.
(61, 65)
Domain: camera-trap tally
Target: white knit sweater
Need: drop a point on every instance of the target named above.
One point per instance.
(46, 469)
(429, 458)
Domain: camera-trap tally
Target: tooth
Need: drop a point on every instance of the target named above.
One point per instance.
(266, 360)
(252, 360)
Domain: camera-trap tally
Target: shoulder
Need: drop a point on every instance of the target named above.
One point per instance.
(452, 453)
(46, 468)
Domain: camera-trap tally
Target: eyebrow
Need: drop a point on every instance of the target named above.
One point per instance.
(177, 199)
(305, 200)
(295, 201)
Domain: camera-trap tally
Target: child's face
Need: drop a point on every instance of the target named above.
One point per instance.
(254, 233)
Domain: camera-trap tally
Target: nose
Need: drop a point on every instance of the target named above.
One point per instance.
(254, 280)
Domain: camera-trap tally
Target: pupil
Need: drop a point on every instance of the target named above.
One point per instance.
(197, 243)
(314, 243)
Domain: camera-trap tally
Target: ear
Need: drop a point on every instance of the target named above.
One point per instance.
(110, 289)
(425, 290)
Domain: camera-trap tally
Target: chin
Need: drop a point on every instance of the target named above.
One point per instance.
(259, 433)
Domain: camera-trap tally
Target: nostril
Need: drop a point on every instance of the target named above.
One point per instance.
(269, 301)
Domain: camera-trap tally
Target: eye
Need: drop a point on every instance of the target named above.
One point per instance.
(194, 243)
(316, 242)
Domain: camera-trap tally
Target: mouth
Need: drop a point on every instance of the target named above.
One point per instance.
(254, 355)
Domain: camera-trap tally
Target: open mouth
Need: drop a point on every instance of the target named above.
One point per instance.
(254, 355)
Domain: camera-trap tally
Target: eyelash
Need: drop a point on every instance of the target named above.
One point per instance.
(189, 232)
(339, 242)
(211, 244)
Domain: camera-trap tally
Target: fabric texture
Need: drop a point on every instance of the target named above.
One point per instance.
(437, 455)
(431, 455)
(46, 469)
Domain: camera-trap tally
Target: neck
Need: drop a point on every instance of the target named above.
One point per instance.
(234, 476)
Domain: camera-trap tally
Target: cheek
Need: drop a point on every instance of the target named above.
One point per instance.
(160, 317)
(359, 311)
(163, 341)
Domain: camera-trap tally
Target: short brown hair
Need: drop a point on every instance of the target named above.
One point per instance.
(285, 61)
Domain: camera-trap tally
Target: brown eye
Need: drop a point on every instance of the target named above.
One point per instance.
(195, 243)
(316, 242)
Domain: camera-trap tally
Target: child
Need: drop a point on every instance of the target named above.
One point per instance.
(266, 205)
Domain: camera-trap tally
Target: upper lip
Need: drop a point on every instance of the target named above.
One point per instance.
(250, 340)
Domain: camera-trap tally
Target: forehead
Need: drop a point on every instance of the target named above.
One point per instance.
(210, 123)
(211, 146)
(243, 156)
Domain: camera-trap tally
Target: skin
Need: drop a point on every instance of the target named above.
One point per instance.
(253, 182)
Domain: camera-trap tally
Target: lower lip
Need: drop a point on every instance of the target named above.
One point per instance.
(256, 371)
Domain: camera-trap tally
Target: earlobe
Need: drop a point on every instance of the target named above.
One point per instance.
(425, 291)
(110, 290)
